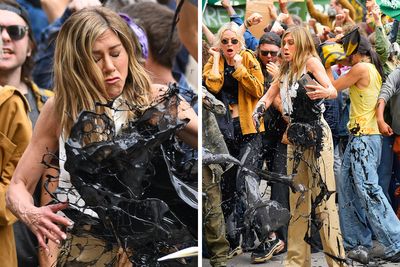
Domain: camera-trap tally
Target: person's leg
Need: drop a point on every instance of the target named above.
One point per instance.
(353, 221)
(229, 192)
(280, 192)
(250, 156)
(365, 158)
(268, 150)
(299, 252)
(326, 212)
(386, 165)
(337, 160)
(396, 186)
(214, 224)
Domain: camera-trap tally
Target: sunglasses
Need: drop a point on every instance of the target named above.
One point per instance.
(16, 32)
(266, 52)
(226, 41)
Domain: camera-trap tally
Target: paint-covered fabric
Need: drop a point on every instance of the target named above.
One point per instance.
(130, 185)
(316, 173)
(213, 218)
(15, 133)
(251, 86)
(297, 104)
(363, 102)
(363, 207)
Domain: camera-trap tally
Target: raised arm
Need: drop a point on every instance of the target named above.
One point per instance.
(248, 73)
(42, 221)
(283, 7)
(382, 41)
(208, 34)
(228, 7)
(316, 14)
(250, 40)
(356, 73)
(53, 9)
(346, 5)
(211, 73)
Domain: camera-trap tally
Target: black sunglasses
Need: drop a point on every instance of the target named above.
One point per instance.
(16, 32)
(226, 41)
(266, 52)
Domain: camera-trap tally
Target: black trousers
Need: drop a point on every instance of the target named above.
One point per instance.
(247, 148)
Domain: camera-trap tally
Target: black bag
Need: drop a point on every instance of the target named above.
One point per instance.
(304, 134)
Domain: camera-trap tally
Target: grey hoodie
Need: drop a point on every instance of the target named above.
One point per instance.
(391, 91)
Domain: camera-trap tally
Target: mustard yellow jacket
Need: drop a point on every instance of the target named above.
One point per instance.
(15, 133)
(41, 95)
(251, 89)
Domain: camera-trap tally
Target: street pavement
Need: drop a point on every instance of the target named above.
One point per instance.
(317, 260)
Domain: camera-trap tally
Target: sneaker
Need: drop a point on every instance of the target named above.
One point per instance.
(265, 251)
(394, 258)
(280, 248)
(359, 254)
(234, 252)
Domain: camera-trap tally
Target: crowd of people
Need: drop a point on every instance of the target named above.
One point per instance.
(113, 95)
(314, 103)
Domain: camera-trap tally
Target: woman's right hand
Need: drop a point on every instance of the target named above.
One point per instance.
(258, 113)
(214, 51)
(273, 69)
(254, 19)
(43, 222)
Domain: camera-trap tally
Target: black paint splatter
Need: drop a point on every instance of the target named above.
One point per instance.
(137, 181)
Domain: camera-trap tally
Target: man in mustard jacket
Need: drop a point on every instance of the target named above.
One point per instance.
(15, 133)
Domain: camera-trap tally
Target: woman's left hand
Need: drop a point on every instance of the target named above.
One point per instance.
(318, 92)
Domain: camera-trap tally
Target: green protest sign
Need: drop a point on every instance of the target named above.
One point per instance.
(390, 8)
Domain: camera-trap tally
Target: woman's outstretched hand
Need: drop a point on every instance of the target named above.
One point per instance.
(318, 91)
(43, 221)
(258, 113)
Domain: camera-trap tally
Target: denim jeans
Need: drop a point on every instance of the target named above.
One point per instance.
(386, 165)
(362, 201)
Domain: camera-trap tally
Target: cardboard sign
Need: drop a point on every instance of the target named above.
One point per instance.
(214, 15)
(261, 7)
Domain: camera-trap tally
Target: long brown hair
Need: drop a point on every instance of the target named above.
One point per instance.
(305, 49)
(78, 82)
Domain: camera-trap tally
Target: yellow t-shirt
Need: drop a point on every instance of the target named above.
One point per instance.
(363, 102)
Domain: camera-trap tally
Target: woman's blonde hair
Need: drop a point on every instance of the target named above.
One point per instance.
(78, 81)
(230, 26)
(305, 49)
